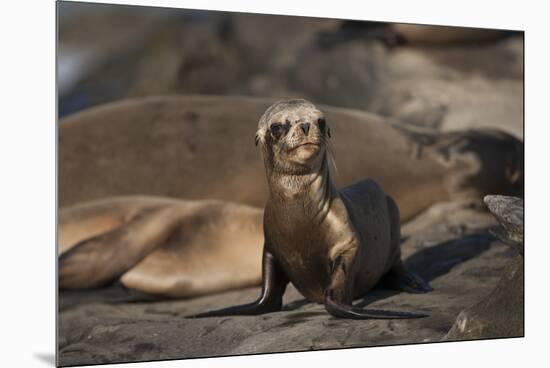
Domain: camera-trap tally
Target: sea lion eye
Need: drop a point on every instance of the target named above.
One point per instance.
(277, 129)
(322, 124)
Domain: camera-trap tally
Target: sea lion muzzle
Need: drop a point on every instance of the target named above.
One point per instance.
(305, 128)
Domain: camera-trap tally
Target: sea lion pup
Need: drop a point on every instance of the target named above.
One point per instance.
(334, 246)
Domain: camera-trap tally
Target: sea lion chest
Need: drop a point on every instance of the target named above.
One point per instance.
(301, 242)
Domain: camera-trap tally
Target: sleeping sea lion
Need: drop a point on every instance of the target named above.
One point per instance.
(162, 246)
(199, 147)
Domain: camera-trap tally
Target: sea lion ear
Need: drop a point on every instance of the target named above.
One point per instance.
(256, 139)
(322, 123)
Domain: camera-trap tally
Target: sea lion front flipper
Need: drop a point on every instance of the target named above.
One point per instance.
(274, 282)
(337, 298)
(399, 278)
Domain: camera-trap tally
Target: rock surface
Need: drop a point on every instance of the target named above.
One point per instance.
(501, 314)
(462, 261)
(509, 213)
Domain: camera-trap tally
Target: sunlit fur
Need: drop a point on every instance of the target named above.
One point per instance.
(288, 156)
(308, 222)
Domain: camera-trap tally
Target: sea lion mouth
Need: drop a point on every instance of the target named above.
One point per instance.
(306, 144)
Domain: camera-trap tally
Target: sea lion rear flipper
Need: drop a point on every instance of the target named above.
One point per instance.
(350, 312)
(101, 259)
(274, 282)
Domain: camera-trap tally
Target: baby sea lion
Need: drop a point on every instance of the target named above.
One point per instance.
(334, 246)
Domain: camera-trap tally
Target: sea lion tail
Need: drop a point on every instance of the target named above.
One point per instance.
(351, 312)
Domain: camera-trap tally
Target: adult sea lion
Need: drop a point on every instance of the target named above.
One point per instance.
(162, 246)
(334, 246)
(437, 35)
(198, 147)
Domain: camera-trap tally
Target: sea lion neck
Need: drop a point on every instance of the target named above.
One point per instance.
(303, 190)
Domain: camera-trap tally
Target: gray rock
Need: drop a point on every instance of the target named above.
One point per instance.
(509, 213)
(462, 261)
(501, 313)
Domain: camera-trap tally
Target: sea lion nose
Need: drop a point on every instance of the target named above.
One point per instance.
(305, 128)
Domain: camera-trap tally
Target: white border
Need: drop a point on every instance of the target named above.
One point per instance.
(27, 165)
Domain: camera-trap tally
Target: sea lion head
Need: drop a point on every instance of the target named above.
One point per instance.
(293, 135)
